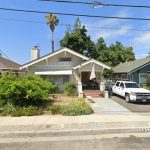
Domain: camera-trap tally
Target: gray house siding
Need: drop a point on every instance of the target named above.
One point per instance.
(139, 76)
(137, 70)
(142, 74)
(135, 77)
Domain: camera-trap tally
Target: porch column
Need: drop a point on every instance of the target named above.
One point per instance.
(77, 75)
(102, 83)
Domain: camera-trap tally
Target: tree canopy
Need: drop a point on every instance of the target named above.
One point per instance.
(78, 40)
(52, 21)
(114, 54)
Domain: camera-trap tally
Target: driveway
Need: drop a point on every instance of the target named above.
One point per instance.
(102, 105)
(134, 107)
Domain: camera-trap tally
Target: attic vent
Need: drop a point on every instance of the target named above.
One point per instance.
(65, 59)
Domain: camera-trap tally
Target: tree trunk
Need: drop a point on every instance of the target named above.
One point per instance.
(52, 41)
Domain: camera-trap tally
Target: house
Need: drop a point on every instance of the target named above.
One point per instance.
(65, 65)
(136, 70)
(9, 67)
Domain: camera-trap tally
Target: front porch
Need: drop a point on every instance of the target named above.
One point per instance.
(88, 84)
(89, 79)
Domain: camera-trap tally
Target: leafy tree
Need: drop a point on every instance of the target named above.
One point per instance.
(100, 47)
(114, 54)
(78, 40)
(77, 24)
(52, 21)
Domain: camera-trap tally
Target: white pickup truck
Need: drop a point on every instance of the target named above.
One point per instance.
(131, 91)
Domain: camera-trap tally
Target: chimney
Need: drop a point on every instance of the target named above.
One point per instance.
(35, 53)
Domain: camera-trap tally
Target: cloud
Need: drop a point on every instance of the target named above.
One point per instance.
(143, 39)
(142, 55)
(112, 33)
(100, 26)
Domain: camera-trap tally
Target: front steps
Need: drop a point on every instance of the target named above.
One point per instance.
(93, 93)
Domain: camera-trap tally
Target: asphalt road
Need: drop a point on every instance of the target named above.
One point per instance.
(134, 107)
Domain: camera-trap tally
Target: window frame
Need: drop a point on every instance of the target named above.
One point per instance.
(65, 59)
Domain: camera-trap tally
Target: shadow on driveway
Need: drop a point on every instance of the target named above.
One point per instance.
(134, 107)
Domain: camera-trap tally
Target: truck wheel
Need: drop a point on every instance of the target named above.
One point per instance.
(127, 98)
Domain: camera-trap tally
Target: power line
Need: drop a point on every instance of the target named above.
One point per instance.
(75, 15)
(4, 54)
(64, 1)
(97, 3)
(99, 27)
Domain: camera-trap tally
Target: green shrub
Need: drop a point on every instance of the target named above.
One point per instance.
(54, 89)
(77, 107)
(57, 109)
(70, 89)
(24, 91)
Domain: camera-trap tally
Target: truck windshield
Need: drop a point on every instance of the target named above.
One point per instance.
(131, 85)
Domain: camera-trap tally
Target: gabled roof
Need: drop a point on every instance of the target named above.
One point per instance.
(131, 66)
(92, 61)
(8, 64)
(53, 54)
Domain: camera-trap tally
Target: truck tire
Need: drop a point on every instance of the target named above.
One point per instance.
(127, 98)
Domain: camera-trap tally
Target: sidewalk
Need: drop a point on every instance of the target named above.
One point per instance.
(107, 120)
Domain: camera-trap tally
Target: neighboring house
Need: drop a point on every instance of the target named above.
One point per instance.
(135, 70)
(64, 65)
(9, 67)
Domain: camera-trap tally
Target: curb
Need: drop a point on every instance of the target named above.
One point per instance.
(75, 126)
(55, 133)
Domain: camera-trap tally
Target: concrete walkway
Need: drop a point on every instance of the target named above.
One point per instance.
(114, 120)
(102, 105)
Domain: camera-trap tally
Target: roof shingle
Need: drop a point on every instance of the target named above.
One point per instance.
(131, 66)
(8, 64)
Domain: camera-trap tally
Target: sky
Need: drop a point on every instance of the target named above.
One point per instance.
(18, 37)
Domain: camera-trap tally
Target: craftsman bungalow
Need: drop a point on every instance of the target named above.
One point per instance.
(66, 65)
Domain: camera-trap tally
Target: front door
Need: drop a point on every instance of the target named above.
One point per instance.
(85, 77)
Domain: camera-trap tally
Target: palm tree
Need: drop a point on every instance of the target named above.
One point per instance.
(52, 21)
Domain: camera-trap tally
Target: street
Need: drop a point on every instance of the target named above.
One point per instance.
(134, 107)
(99, 142)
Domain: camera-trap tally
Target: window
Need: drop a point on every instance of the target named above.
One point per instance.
(55, 79)
(142, 78)
(65, 59)
(65, 79)
(121, 85)
(117, 84)
(131, 85)
(59, 80)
